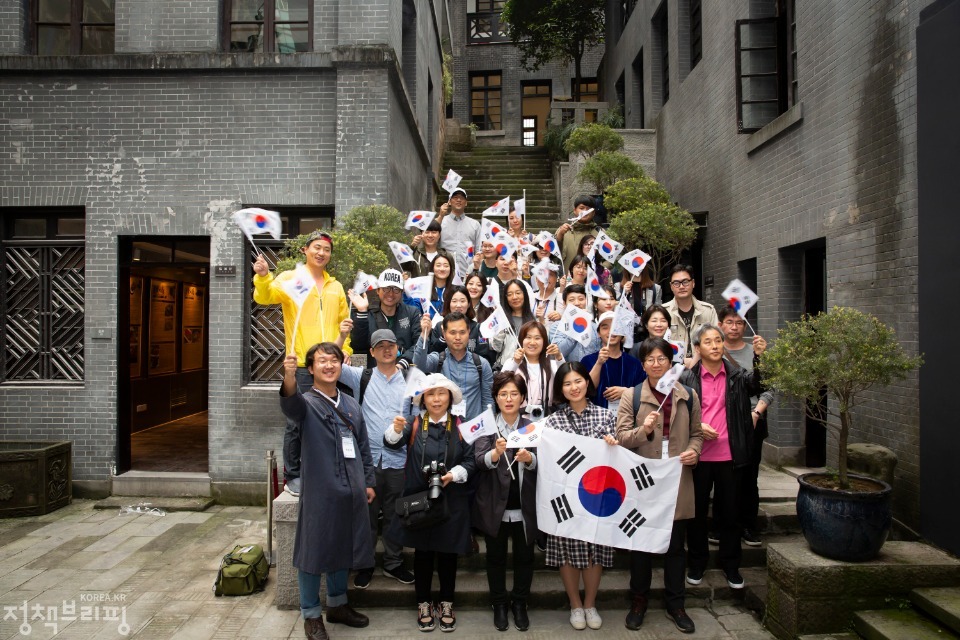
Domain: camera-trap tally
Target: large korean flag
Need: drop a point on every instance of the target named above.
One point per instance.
(589, 490)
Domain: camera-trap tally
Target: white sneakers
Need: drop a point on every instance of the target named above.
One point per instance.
(577, 619)
(582, 618)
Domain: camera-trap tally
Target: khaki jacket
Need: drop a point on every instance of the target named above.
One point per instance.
(703, 313)
(685, 433)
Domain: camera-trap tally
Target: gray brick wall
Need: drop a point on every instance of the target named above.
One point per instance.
(12, 27)
(148, 26)
(845, 174)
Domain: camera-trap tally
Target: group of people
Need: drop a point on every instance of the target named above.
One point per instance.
(355, 442)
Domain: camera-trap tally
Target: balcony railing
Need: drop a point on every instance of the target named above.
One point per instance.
(486, 27)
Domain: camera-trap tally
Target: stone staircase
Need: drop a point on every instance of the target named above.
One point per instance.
(934, 613)
(490, 173)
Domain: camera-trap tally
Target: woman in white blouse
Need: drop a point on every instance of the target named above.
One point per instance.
(536, 361)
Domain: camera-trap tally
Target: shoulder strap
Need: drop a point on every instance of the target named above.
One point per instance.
(479, 365)
(636, 399)
(689, 399)
(364, 381)
(440, 359)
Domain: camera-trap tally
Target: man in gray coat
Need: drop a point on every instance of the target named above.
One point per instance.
(333, 529)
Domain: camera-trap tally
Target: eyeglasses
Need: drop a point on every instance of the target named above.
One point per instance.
(734, 323)
(508, 395)
(676, 284)
(657, 360)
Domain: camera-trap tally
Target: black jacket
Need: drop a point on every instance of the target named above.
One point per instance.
(741, 384)
(406, 327)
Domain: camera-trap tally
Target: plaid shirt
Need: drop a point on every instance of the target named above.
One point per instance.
(594, 422)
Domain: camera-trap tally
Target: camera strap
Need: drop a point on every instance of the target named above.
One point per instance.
(446, 440)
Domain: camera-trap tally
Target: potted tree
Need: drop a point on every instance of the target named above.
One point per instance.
(827, 361)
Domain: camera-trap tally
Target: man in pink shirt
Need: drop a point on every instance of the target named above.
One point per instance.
(727, 425)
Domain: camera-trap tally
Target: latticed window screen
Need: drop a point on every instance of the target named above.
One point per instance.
(43, 303)
(266, 326)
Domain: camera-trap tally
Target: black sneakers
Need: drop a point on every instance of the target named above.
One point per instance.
(637, 611)
(399, 574)
(750, 538)
(681, 619)
(363, 578)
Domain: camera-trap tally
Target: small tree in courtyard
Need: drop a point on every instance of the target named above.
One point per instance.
(606, 168)
(845, 352)
(350, 255)
(375, 224)
(555, 30)
(633, 193)
(591, 138)
(662, 230)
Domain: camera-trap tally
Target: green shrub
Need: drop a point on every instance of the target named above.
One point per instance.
(633, 193)
(591, 138)
(613, 118)
(607, 167)
(555, 138)
(375, 224)
(662, 230)
(350, 255)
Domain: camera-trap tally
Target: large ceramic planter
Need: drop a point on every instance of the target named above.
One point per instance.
(35, 477)
(844, 525)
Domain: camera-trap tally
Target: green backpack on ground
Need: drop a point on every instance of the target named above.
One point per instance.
(243, 571)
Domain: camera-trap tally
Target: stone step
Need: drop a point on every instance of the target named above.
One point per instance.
(829, 636)
(942, 604)
(547, 590)
(897, 624)
(166, 503)
(160, 483)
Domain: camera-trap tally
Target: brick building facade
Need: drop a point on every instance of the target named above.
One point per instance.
(181, 117)
(806, 171)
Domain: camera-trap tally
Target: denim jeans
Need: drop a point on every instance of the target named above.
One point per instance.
(309, 584)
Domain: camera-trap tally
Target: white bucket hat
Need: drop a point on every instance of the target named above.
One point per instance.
(439, 381)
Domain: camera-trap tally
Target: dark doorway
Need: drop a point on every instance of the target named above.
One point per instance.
(814, 300)
(163, 355)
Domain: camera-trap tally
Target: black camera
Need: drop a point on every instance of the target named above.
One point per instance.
(434, 473)
(535, 411)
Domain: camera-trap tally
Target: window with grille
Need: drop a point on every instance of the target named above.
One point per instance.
(41, 294)
(267, 344)
(72, 27)
(485, 100)
(766, 67)
(271, 26)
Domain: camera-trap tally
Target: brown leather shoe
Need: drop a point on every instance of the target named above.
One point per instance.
(314, 629)
(345, 614)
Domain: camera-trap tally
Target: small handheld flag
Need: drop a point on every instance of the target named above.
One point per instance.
(505, 245)
(364, 282)
(578, 324)
(593, 285)
(416, 379)
(741, 298)
(520, 206)
(607, 247)
(499, 208)
(420, 288)
(483, 425)
(547, 241)
(527, 436)
(670, 378)
(420, 219)
(635, 261)
(401, 252)
(580, 216)
(451, 181)
(491, 297)
(490, 229)
(298, 288)
(254, 220)
(496, 324)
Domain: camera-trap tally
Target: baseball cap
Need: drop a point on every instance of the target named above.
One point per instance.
(381, 335)
(458, 190)
(606, 315)
(390, 278)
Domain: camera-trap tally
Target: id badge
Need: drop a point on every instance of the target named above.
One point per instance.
(665, 450)
(349, 451)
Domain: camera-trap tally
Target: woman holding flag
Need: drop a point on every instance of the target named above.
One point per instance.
(515, 300)
(505, 505)
(576, 558)
(537, 362)
(658, 425)
(477, 286)
(434, 443)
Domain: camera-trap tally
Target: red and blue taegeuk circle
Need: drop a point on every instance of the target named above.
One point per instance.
(594, 285)
(502, 249)
(530, 428)
(676, 348)
(416, 218)
(550, 245)
(602, 491)
(735, 303)
(607, 247)
(470, 251)
(637, 262)
(260, 220)
(580, 325)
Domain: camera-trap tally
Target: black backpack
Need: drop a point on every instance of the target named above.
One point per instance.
(477, 362)
(365, 380)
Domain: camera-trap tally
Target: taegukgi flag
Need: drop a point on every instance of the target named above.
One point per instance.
(364, 282)
(298, 287)
(451, 181)
(520, 206)
(740, 297)
(547, 241)
(499, 208)
(254, 220)
(402, 252)
(589, 490)
(491, 297)
(483, 425)
(419, 288)
(505, 245)
(490, 229)
(607, 247)
(526, 437)
(594, 287)
(635, 261)
(578, 324)
(670, 378)
(420, 219)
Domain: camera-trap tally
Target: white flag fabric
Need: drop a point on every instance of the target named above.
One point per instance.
(527, 249)
(491, 297)
(490, 229)
(589, 490)
(420, 219)
(607, 247)
(670, 378)
(580, 216)
(624, 320)
(525, 437)
(497, 323)
(416, 379)
(578, 324)
(635, 261)
(419, 288)
(254, 220)
(679, 349)
(298, 287)
(457, 279)
(403, 253)
(520, 206)
(547, 241)
(541, 271)
(364, 282)
(740, 297)
(451, 181)
(505, 245)
(483, 425)
(499, 208)
(593, 285)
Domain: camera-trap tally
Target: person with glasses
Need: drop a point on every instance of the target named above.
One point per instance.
(505, 505)
(458, 230)
(741, 352)
(670, 431)
(320, 316)
(686, 312)
(385, 310)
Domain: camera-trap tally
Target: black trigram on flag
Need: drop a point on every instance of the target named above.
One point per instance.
(632, 522)
(569, 461)
(642, 477)
(561, 509)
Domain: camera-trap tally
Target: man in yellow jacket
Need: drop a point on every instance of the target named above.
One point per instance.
(323, 311)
